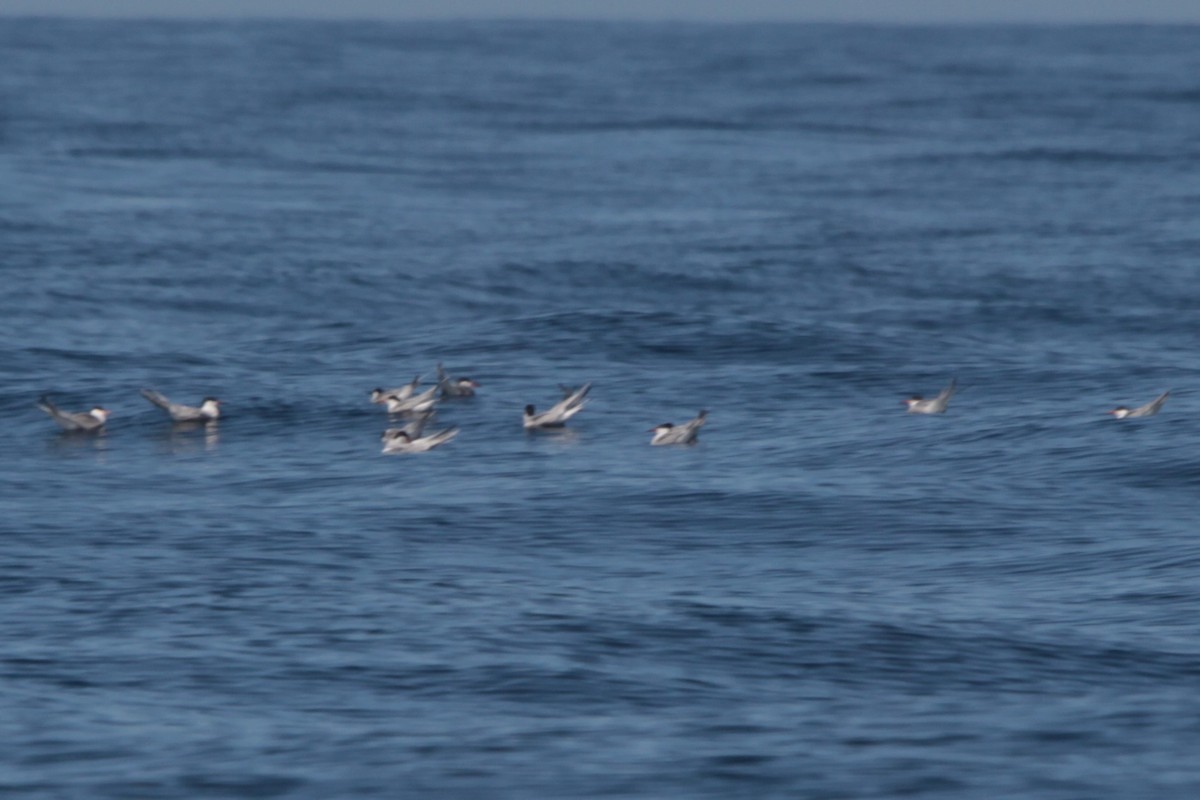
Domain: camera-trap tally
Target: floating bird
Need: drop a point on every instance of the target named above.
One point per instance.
(558, 414)
(89, 421)
(380, 396)
(687, 433)
(919, 405)
(207, 411)
(414, 404)
(399, 440)
(455, 387)
(1148, 410)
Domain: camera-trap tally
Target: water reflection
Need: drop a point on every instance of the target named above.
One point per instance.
(81, 442)
(187, 437)
(560, 436)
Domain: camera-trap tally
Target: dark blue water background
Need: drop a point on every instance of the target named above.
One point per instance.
(792, 226)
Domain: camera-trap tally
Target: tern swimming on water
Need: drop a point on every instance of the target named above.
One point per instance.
(687, 433)
(207, 411)
(455, 387)
(399, 440)
(88, 421)
(557, 415)
(413, 404)
(1148, 410)
(380, 396)
(919, 405)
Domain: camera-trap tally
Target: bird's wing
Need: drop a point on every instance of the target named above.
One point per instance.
(158, 398)
(441, 437)
(945, 394)
(1154, 405)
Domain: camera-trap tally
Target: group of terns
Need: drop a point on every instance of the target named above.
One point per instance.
(92, 421)
(419, 408)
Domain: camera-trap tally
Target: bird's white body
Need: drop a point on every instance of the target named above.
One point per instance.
(1148, 410)
(86, 421)
(557, 415)
(937, 405)
(687, 433)
(207, 411)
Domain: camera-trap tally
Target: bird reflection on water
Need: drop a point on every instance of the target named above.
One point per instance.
(182, 437)
(81, 441)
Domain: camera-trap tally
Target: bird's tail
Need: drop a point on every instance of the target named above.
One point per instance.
(576, 397)
(157, 398)
(45, 405)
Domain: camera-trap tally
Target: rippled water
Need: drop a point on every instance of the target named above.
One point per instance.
(793, 227)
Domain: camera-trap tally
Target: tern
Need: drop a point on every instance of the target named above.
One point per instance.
(207, 411)
(413, 404)
(380, 396)
(557, 415)
(88, 421)
(687, 433)
(919, 405)
(455, 387)
(399, 440)
(1148, 410)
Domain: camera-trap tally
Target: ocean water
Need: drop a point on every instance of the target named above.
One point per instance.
(794, 227)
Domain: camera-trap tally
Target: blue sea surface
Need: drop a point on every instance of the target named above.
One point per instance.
(794, 227)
